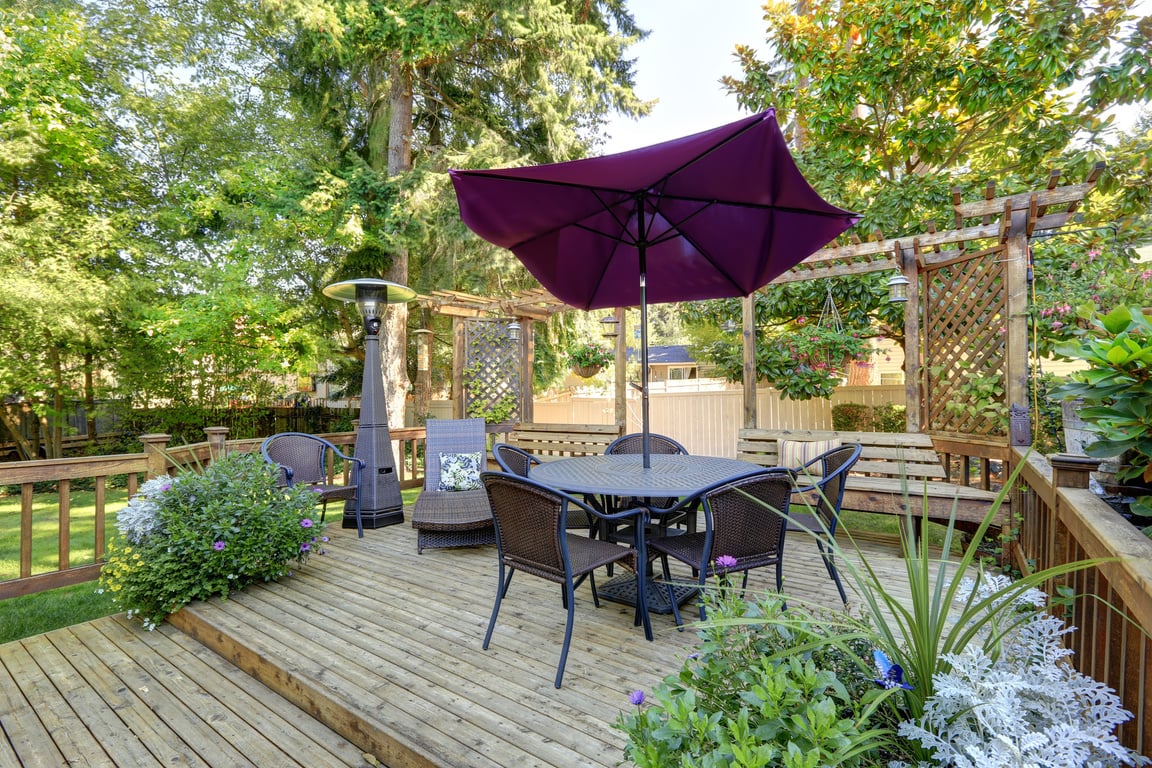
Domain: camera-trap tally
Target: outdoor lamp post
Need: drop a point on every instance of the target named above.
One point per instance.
(380, 502)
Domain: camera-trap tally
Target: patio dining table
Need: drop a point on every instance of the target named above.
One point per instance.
(624, 476)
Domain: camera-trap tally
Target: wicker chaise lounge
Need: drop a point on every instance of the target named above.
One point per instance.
(453, 518)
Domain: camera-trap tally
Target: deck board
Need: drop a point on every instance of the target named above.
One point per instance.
(368, 649)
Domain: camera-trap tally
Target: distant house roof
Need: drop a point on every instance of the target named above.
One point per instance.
(676, 354)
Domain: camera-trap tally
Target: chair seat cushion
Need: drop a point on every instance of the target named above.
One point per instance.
(796, 453)
(451, 510)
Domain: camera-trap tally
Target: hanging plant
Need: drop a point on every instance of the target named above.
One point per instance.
(587, 359)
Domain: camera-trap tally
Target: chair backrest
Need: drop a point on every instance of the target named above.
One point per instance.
(529, 523)
(450, 436)
(634, 443)
(835, 464)
(304, 454)
(746, 518)
(513, 460)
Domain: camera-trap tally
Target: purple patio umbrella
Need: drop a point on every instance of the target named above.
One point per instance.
(713, 215)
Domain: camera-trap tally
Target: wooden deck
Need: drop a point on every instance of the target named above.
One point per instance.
(380, 646)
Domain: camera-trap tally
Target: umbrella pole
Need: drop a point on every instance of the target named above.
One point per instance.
(644, 355)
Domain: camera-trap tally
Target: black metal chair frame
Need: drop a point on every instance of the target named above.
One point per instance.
(305, 461)
(565, 558)
(699, 550)
(824, 496)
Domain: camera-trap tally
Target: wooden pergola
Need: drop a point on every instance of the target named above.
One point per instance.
(967, 312)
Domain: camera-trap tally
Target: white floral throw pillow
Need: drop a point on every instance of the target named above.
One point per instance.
(459, 472)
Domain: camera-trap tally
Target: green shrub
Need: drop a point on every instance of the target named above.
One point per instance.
(768, 687)
(857, 417)
(207, 534)
(852, 417)
(889, 418)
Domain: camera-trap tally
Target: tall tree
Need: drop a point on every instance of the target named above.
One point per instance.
(404, 88)
(900, 101)
(62, 194)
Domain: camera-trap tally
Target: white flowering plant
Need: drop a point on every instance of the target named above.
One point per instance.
(1023, 706)
(205, 534)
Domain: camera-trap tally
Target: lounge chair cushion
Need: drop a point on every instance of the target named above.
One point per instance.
(459, 472)
(796, 453)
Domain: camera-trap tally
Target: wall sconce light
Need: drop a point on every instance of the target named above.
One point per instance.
(729, 326)
(609, 323)
(897, 288)
(514, 331)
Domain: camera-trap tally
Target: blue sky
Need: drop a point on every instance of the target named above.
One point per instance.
(689, 50)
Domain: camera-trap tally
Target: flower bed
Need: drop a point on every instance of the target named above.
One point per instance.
(207, 534)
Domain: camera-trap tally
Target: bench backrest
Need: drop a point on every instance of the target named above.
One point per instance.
(561, 440)
(885, 454)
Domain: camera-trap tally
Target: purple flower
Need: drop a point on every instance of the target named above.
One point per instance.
(306, 522)
(636, 697)
(891, 675)
(305, 547)
(725, 562)
(324, 539)
(218, 545)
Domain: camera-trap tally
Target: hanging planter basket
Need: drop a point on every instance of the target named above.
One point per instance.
(586, 371)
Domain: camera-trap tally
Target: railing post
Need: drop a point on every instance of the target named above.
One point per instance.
(216, 442)
(155, 452)
(1071, 471)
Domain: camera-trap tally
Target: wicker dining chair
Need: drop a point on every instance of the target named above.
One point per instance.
(517, 461)
(453, 511)
(744, 519)
(513, 460)
(633, 443)
(532, 536)
(304, 459)
(821, 483)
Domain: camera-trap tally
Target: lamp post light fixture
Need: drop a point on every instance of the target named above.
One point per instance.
(380, 501)
(897, 288)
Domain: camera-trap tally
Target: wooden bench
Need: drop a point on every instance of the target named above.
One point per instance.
(895, 471)
(556, 441)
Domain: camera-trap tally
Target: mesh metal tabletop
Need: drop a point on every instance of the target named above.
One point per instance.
(625, 475)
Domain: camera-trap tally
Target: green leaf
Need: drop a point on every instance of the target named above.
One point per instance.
(1117, 320)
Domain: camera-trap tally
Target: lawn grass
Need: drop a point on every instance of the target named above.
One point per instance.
(55, 608)
(45, 528)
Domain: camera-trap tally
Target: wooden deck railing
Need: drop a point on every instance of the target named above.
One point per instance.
(1061, 521)
(157, 458)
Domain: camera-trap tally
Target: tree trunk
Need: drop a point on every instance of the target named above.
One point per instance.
(24, 449)
(55, 443)
(89, 396)
(395, 328)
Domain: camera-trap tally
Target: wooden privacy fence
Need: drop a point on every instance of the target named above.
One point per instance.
(707, 423)
(1061, 521)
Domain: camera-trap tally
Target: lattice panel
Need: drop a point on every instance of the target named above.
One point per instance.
(965, 332)
(491, 371)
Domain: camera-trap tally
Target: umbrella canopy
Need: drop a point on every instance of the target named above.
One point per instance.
(713, 215)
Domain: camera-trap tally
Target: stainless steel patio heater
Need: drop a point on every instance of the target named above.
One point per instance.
(380, 502)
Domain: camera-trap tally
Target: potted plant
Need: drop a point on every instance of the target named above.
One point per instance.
(1116, 390)
(587, 358)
